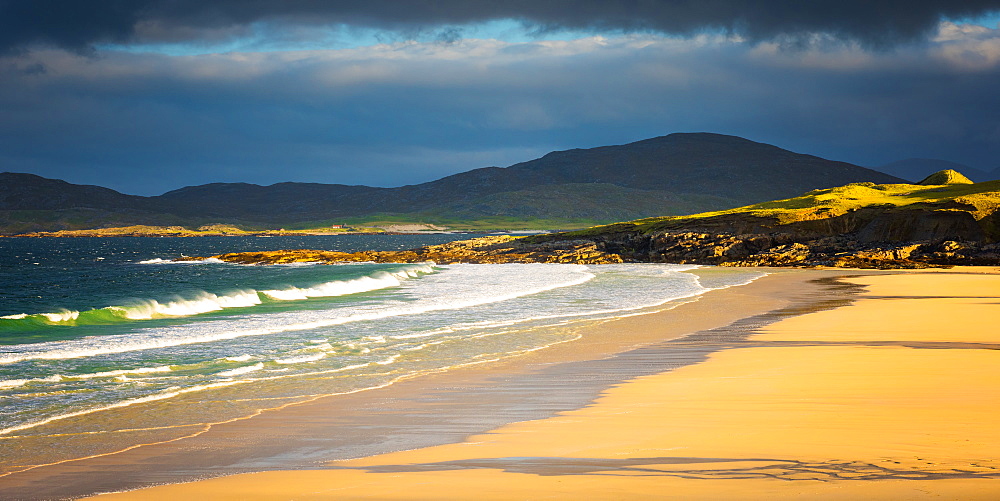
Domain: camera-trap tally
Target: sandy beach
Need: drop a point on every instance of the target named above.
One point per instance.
(807, 383)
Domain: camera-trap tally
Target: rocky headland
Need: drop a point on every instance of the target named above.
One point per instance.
(491, 249)
(945, 220)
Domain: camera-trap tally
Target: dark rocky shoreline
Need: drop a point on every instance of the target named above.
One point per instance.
(778, 250)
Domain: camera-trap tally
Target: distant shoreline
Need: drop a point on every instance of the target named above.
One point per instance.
(232, 231)
(181, 232)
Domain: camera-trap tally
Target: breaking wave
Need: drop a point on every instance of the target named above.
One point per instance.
(205, 302)
(476, 295)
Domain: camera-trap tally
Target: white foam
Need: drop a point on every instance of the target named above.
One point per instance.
(14, 383)
(210, 260)
(55, 318)
(121, 372)
(205, 302)
(464, 286)
(389, 360)
(173, 392)
(202, 303)
(240, 358)
(242, 370)
(379, 280)
(301, 359)
(155, 261)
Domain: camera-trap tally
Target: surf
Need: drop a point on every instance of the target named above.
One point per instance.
(470, 285)
(201, 302)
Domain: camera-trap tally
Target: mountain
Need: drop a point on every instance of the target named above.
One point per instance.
(31, 192)
(729, 169)
(945, 220)
(277, 202)
(680, 172)
(675, 174)
(915, 169)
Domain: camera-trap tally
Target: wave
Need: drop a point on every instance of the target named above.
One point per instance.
(205, 302)
(14, 383)
(378, 280)
(113, 344)
(143, 309)
(117, 405)
(242, 370)
(300, 359)
(173, 392)
(210, 260)
(52, 318)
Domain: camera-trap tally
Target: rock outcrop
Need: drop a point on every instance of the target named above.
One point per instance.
(493, 249)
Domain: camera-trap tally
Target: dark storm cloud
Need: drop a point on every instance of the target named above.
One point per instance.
(78, 24)
(407, 113)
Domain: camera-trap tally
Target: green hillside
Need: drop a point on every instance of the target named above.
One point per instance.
(856, 225)
(980, 200)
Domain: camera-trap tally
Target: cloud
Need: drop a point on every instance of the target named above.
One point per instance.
(79, 24)
(410, 112)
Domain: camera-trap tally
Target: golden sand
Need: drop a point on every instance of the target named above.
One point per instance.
(893, 397)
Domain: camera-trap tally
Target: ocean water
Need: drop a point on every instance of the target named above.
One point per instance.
(107, 336)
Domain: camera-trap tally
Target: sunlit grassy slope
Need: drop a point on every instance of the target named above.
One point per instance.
(979, 199)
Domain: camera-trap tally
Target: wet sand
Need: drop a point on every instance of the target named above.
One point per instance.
(445, 407)
(891, 396)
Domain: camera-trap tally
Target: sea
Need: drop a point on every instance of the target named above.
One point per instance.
(107, 342)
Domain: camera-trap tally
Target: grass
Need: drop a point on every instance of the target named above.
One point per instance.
(979, 199)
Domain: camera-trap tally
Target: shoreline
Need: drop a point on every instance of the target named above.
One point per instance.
(892, 395)
(455, 404)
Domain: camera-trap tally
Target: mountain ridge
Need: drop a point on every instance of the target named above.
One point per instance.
(947, 221)
(673, 174)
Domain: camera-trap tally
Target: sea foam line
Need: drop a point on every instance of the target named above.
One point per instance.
(127, 343)
(205, 302)
(118, 405)
(14, 383)
(209, 260)
(376, 281)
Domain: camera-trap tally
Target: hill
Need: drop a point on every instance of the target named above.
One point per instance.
(857, 225)
(915, 169)
(31, 192)
(674, 174)
(680, 172)
(864, 225)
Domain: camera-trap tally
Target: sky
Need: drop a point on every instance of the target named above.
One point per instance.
(147, 96)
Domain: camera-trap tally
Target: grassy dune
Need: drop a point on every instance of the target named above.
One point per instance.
(979, 199)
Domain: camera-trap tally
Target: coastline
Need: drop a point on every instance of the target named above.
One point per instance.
(888, 396)
(429, 410)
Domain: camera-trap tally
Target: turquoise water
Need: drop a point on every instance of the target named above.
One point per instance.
(99, 335)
